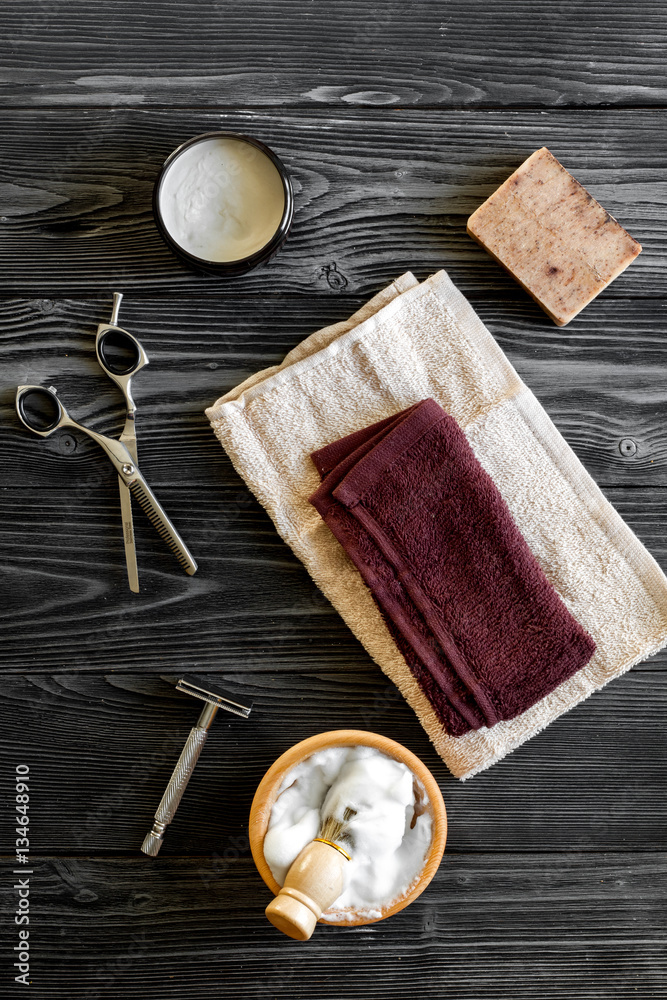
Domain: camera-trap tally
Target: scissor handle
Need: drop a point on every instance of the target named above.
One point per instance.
(114, 338)
(39, 409)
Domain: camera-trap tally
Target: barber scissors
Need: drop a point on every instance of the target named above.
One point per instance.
(121, 356)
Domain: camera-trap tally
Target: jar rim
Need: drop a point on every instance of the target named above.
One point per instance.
(238, 265)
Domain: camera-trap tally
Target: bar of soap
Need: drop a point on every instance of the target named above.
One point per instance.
(552, 236)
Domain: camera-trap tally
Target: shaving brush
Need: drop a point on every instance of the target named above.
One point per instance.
(314, 881)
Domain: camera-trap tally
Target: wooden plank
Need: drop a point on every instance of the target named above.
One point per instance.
(591, 781)
(553, 882)
(603, 381)
(377, 193)
(66, 604)
(520, 925)
(267, 53)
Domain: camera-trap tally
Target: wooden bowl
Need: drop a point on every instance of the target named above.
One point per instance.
(267, 792)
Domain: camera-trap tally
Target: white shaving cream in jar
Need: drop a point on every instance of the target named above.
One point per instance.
(390, 832)
(222, 199)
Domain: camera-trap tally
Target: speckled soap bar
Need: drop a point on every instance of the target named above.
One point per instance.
(552, 236)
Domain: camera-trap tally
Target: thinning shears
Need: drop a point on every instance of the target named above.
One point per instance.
(121, 356)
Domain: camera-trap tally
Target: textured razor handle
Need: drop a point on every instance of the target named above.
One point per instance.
(152, 844)
(179, 779)
(174, 791)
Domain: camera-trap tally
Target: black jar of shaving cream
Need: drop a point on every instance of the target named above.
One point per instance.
(223, 202)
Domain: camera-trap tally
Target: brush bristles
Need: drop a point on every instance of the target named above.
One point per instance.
(336, 830)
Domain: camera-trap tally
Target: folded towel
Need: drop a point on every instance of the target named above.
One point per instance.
(478, 623)
(410, 342)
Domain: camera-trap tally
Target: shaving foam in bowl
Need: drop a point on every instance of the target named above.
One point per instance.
(402, 865)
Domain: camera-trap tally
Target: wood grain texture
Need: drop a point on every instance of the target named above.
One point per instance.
(592, 781)
(66, 604)
(377, 193)
(603, 381)
(396, 120)
(529, 927)
(263, 52)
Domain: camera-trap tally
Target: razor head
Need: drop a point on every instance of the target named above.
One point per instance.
(219, 700)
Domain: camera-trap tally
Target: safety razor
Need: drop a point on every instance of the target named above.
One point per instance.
(189, 757)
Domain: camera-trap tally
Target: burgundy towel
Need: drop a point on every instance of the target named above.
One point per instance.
(478, 623)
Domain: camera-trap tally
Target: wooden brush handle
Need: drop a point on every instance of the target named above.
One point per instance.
(313, 883)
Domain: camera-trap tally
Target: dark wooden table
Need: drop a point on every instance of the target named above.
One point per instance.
(396, 119)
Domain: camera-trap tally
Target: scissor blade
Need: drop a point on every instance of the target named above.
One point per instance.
(148, 501)
(128, 536)
(129, 438)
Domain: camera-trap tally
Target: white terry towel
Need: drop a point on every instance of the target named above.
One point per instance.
(410, 342)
